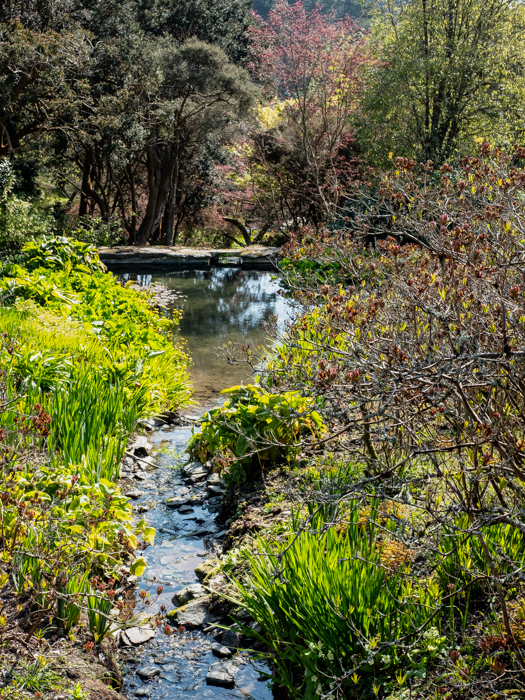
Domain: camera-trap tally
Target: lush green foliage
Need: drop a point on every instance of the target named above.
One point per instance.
(73, 388)
(94, 316)
(328, 607)
(446, 73)
(254, 428)
(62, 254)
(413, 352)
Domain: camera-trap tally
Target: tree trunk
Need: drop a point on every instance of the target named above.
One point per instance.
(83, 205)
(159, 178)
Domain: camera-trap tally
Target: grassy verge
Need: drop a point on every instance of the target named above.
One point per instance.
(82, 359)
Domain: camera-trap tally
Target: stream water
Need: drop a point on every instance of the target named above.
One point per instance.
(218, 305)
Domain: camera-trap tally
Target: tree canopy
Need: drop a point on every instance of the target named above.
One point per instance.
(447, 71)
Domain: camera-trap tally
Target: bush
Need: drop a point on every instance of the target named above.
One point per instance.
(412, 351)
(254, 428)
(21, 221)
(96, 232)
(60, 253)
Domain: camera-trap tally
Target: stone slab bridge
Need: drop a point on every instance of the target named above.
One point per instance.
(164, 258)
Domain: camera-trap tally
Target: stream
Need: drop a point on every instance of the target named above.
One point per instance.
(218, 305)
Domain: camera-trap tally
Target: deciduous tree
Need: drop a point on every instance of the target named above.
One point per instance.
(311, 66)
(447, 71)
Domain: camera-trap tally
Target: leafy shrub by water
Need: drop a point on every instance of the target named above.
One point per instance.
(254, 428)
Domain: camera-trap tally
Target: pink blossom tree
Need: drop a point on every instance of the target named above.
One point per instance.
(311, 65)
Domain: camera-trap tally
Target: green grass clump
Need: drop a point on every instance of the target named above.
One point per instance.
(327, 605)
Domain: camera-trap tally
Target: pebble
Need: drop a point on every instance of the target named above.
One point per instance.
(219, 679)
(231, 638)
(148, 672)
(185, 510)
(141, 476)
(216, 489)
(221, 674)
(194, 590)
(134, 494)
(195, 614)
(176, 502)
(195, 470)
(196, 500)
(162, 660)
(220, 651)
(142, 693)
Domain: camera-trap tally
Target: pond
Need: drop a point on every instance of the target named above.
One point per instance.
(218, 305)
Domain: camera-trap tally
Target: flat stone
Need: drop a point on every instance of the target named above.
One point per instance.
(191, 592)
(194, 480)
(222, 674)
(148, 423)
(251, 257)
(141, 449)
(196, 500)
(185, 510)
(141, 441)
(146, 673)
(183, 491)
(216, 489)
(200, 533)
(141, 476)
(221, 534)
(219, 678)
(137, 635)
(214, 479)
(195, 614)
(142, 693)
(220, 651)
(134, 494)
(177, 502)
(195, 470)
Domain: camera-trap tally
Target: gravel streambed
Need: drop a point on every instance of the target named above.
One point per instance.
(202, 660)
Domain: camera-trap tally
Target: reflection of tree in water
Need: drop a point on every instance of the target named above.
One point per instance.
(253, 300)
(227, 300)
(220, 305)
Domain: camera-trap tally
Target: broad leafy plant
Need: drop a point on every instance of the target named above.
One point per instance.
(255, 428)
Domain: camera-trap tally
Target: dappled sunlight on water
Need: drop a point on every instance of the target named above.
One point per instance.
(220, 305)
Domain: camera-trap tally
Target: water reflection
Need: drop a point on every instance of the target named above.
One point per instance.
(219, 305)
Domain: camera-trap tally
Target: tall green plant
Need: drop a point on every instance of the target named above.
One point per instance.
(328, 607)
